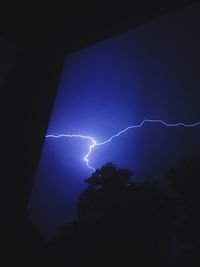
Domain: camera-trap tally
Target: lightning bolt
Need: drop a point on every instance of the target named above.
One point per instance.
(94, 143)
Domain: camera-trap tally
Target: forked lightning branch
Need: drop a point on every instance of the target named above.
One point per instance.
(94, 143)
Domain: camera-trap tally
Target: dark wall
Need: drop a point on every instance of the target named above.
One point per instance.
(7, 55)
(29, 91)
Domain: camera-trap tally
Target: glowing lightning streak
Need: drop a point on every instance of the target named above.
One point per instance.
(94, 142)
(91, 146)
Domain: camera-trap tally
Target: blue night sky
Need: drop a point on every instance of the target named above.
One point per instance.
(150, 72)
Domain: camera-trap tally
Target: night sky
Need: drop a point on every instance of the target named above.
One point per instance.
(150, 72)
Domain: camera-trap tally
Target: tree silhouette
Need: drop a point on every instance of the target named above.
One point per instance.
(184, 181)
(120, 219)
(107, 190)
(114, 209)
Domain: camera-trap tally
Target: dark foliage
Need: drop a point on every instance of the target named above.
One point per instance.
(184, 181)
(123, 222)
